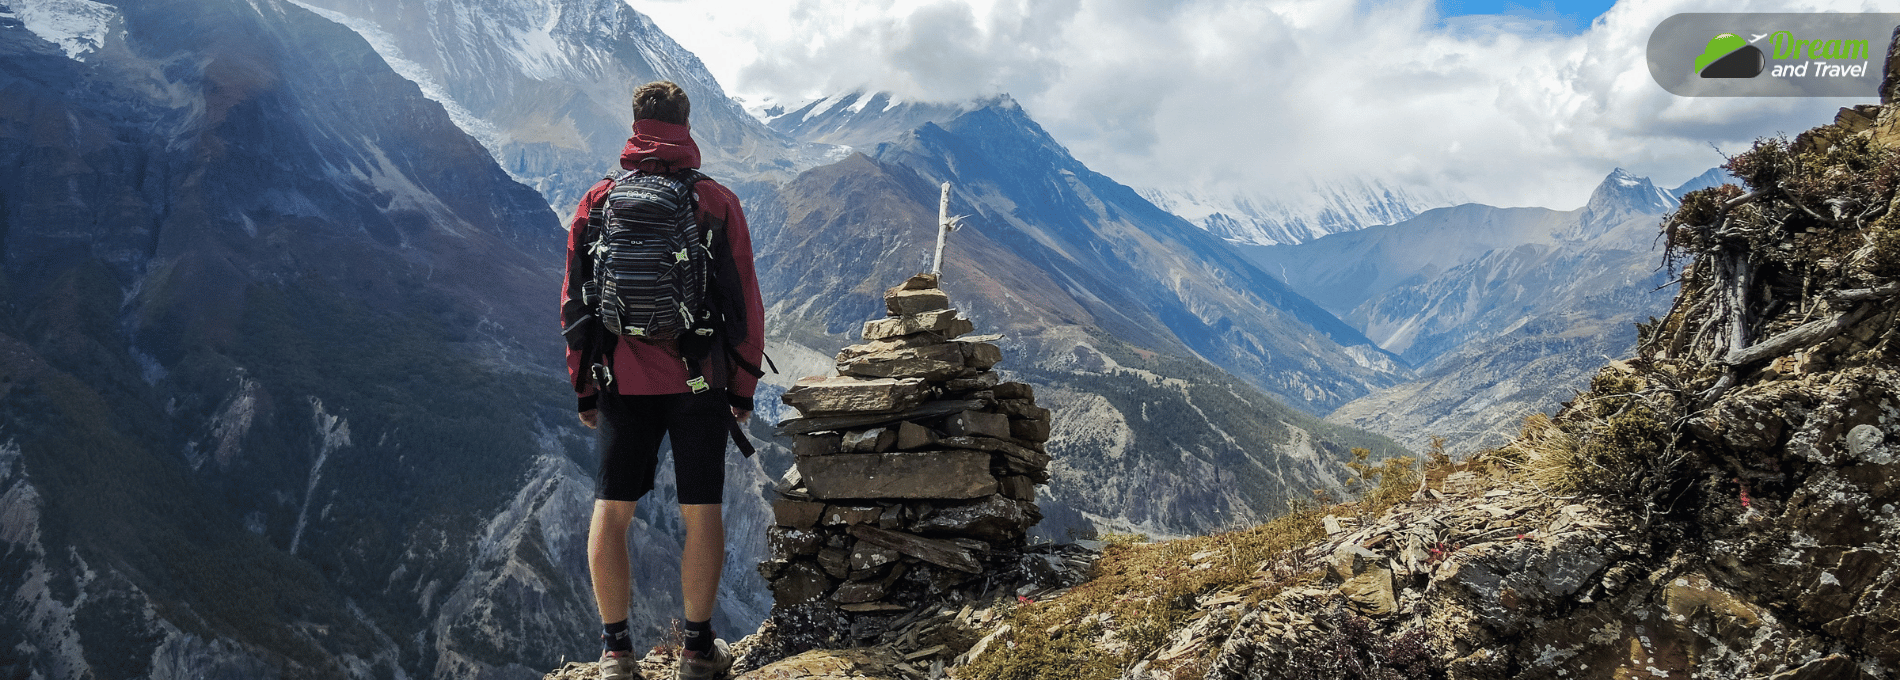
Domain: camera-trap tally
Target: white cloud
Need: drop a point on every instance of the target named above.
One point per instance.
(1248, 96)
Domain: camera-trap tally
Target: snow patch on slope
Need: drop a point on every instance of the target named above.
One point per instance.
(1298, 214)
(78, 27)
(385, 46)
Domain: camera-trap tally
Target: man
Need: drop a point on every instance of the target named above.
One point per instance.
(635, 391)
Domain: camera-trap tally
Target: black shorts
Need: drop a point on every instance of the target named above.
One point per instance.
(630, 430)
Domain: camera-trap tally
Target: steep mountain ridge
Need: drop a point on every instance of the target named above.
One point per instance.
(280, 388)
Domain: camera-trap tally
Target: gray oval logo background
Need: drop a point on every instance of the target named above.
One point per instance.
(1807, 54)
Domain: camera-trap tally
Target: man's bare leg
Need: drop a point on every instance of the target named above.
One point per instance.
(702, 559)
(607, 559)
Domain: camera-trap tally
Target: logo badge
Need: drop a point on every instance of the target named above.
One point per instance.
(1810, 54)
(1729, 56)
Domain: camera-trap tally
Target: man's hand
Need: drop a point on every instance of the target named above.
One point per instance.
(741, 416)
(591, 418)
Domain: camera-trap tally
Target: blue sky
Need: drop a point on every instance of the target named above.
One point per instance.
(1571, 16)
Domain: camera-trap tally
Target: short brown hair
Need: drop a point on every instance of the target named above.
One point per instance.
(663, 101)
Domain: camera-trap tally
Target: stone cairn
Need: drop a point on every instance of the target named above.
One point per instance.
(916, 468)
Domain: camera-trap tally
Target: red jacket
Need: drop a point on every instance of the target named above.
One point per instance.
(642, 367)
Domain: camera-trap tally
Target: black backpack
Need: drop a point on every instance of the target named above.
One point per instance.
(652, 261)
(646, 269)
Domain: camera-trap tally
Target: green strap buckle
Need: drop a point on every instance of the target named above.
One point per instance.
(698, 383)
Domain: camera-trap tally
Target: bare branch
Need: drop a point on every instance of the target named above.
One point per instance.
(1741, 200)
(1805, 334)
(1886, 290)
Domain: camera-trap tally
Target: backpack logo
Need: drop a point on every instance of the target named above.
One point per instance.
(652, 262)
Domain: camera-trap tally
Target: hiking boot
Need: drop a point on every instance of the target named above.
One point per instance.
(707, 665)
(620, 666)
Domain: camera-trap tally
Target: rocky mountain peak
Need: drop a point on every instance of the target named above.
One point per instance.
(1620, 196)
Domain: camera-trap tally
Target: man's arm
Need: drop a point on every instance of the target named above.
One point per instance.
(741, 385)
(573, 309)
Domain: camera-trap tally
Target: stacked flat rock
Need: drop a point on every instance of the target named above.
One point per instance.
(916, 467)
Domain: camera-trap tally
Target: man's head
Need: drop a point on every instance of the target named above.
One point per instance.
(661, 100)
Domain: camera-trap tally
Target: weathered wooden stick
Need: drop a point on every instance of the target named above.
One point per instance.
(1863, 294)
(943, 228)
(1805, 334)
(1720, 388)
(1741, 200)
(1739, 275)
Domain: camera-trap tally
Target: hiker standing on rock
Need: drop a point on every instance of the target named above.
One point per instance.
(665, 330)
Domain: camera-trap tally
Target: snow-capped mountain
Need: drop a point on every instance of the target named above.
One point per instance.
(1618, 198)
(546, 85)
(1291, 215)
(861, 120)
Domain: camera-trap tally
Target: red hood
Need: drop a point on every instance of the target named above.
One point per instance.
(659, 146)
